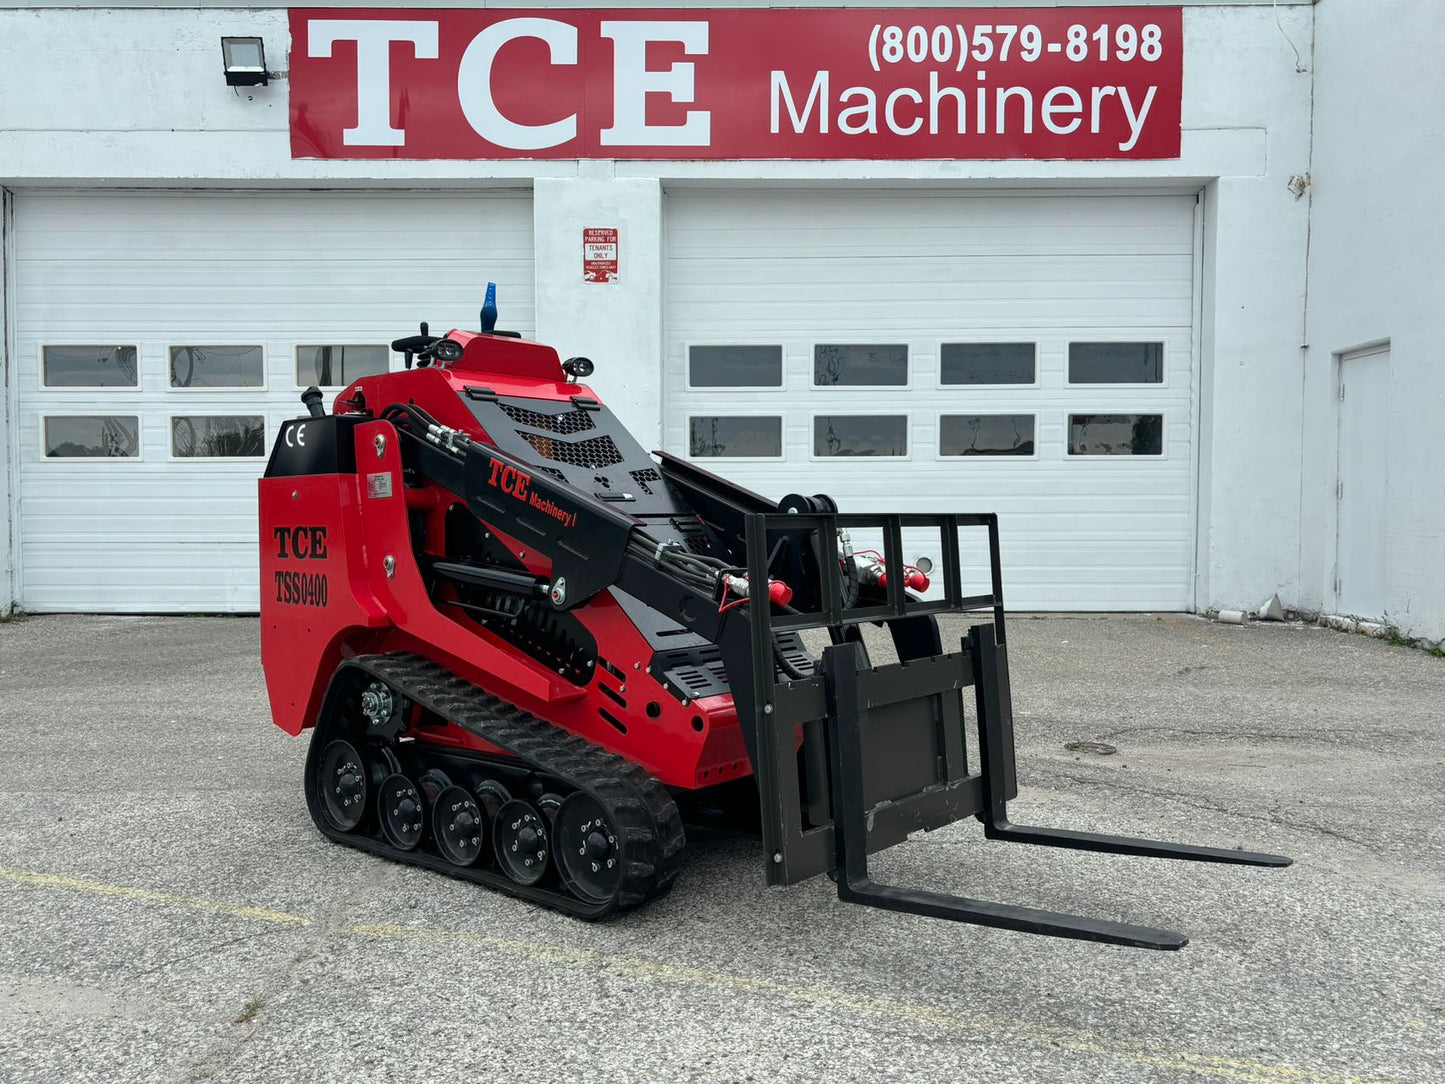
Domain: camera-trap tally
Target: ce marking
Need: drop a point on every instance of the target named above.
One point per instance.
(298, 432)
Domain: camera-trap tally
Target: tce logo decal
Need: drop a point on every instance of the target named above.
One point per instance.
(514, 483)
(510, 479)
(296, 436)
(303, 543)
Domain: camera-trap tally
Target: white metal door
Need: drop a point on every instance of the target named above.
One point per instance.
(1027, 354)
(1362, 492)
(161, 337)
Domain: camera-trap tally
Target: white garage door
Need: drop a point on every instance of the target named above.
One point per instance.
(1029, 355)
(161, 337)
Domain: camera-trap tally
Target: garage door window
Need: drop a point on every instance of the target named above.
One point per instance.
(736, 437)
(218, 367)
(1116, 434)
(985, 364)
(338, 366)
(735, 366)
(860, 434)
(89, 367)
(1116, 363)
(209, 436)
(854, 365)
(986, 434)
(92, 436)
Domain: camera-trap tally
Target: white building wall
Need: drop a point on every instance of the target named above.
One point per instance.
(8, 458)
(1377, 271)
(1252, 298)
(165, 118)
(617, 324)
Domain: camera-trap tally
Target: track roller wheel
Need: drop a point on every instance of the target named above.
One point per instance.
(432, 782)
(520, 837)
(587, 850)
(492, 795)
(459, 826)
(401, 812)
(342, 782)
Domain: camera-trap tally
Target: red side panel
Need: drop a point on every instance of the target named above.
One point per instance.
(507, 356)
(315, 607)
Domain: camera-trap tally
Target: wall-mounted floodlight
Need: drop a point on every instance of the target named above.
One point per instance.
(245, 62)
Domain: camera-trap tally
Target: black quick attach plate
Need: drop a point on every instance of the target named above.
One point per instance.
(885, 749)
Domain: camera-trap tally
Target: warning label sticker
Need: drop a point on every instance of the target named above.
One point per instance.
(378, 485)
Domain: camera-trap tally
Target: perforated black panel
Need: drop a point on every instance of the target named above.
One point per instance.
(645, 479)
(582, 443)
(592, 454)
(566, 423)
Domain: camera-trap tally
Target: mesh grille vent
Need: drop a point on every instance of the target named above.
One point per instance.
(592, 454)
(643, 477)
(572, 421)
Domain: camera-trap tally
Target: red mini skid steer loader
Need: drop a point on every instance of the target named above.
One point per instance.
(521, 642)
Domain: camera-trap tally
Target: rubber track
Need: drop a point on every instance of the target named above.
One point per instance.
(648, 824)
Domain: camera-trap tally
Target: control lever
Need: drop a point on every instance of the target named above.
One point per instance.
(416, 344)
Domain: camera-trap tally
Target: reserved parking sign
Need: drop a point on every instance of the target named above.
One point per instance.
(599, 255)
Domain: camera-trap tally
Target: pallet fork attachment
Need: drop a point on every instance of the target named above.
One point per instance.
(895, 750)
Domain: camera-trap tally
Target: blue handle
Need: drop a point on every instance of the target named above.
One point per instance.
(489, 308)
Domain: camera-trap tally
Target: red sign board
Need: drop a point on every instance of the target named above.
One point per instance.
(757, 83)
(599, 255)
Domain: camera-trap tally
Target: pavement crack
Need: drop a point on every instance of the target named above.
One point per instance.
(211, 950)
(1336, 737)
(1270, 816)
(1274, 817)
(333, 924)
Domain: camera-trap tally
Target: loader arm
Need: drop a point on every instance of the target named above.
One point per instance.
(593, 546)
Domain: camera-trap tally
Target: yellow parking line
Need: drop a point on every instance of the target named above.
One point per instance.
(1251, 1072)
(1222, 1068)
(146, 895)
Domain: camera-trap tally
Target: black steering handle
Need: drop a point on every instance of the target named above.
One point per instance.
(416, 344)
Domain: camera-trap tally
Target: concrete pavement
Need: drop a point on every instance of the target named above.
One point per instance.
(171, 914)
